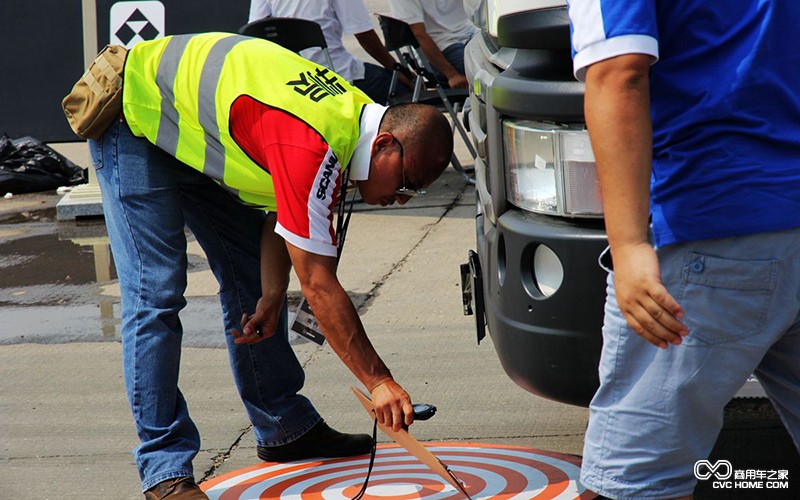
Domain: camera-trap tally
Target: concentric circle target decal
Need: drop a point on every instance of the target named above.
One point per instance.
(488, 471)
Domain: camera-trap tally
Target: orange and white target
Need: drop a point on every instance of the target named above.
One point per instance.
(488, 471)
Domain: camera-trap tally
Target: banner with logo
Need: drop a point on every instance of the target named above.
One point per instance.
(44, 50)
(725, 477)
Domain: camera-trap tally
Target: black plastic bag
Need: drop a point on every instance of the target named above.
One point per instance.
(29, 166)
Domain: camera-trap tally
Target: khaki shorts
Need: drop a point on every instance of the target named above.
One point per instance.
(658, 411)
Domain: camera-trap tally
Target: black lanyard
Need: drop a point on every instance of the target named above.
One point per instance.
(363, 490)
(341, 221)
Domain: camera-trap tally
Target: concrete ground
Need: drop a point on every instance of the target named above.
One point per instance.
(65, 427)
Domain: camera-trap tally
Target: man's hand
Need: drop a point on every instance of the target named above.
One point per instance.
(457, 81)
(437, 59)
(262, 323)
(644, 301)
(392, 405)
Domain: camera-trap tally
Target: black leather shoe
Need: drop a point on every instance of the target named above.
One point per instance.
(320, 441)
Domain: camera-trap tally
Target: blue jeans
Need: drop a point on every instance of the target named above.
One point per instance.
(148, 198)
(455, 56)
(658, 411)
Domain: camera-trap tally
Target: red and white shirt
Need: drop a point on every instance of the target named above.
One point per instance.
(305, 172)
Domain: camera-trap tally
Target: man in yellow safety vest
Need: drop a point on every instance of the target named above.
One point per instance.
(247, 144)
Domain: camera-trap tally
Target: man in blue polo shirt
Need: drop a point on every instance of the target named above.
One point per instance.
(693, 108)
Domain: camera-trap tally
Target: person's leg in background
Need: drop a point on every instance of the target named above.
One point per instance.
(141, 202)
(455, 56)
(376, 83)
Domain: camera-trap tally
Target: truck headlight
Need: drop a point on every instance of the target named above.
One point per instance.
(550, 169)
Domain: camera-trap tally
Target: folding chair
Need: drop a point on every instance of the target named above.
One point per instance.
(289, 32)
(399, 39)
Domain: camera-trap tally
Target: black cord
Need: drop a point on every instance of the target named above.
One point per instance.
(371, 461)
(342, 221)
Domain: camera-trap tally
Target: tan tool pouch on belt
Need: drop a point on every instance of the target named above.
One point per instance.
(96, 99)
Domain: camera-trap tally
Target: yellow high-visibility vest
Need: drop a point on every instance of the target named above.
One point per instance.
(178, 93)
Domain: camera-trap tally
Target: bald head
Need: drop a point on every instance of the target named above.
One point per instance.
(425, 134)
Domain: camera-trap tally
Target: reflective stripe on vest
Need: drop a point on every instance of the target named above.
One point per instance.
(179, 90)
(168, 132)
(167, 70)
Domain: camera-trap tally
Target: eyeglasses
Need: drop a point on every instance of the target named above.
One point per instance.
(403, 190)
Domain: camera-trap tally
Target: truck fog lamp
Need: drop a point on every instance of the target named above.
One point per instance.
(548, 273)
(550, 169)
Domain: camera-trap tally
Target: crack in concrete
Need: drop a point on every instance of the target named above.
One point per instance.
(220, 458)
(366, 299)
(373, 292)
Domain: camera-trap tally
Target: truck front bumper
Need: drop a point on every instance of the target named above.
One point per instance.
(548, 343)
